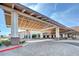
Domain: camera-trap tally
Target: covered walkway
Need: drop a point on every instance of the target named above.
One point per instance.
(32, 24)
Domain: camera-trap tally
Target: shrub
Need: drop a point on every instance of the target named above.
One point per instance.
(0, 44)
(6, 42)
(22, 42)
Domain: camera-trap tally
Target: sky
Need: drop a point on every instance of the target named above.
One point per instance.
(64, 13)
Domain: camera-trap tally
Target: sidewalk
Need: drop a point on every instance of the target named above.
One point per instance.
(38, 40)
(75, 41)
(43, 40)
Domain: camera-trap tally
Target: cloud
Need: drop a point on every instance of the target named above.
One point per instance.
(69, 14)
(43, 8)
(68, 17)
(55, 6)
(34, 6)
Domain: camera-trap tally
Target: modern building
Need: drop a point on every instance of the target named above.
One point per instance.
(33, 24)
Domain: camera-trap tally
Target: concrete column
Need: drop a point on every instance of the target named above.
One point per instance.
(77, 36)
(64, 35)
(57, 33)
(50, 36)
(37, 36)
(54, 36)
(41, 35)
(14, 28)
(30, 36)
(46, 36)
(21, 35)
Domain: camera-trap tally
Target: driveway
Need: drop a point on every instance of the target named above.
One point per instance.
(46, 48)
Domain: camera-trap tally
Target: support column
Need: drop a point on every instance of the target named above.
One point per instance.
(30, 36)
(46, 36)
(37, 36)
(14, 28)
(77, 36)
(50, 36)
(57, 33)
(64, 35)
(41, 35)
(54, 36)
(73, 36)
(67, 36)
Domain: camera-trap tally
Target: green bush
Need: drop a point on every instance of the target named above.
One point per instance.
(34, 36)
(0, 44)
(21, 42)
(6, 42)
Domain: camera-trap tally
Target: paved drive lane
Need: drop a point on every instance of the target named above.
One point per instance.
(48, 48)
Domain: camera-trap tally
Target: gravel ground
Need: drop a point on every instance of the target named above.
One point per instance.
(48, 48)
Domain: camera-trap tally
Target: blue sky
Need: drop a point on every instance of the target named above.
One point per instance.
(66, 14)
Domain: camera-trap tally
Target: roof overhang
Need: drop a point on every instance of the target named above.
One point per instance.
(29, 18)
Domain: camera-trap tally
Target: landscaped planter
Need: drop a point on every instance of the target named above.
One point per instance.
(0, 43)
(6, 42)
(22, 42)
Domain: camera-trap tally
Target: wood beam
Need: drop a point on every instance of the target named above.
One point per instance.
(34, 25)
(21, 21)
(29, 29)
(24, 22)
(7, 14)
(23, 10)
(47, 28)
(13, 6)
(38, 16)
(32, 14)
(26, 15)
(38, 25)
(28, 23)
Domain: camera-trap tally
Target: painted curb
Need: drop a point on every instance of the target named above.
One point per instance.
(11, 48)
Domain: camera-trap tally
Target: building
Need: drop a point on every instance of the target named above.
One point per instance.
(34, 24)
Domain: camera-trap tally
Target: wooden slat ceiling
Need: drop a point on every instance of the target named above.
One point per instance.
(33, 13)
(29, 23)
(53, 31)
(25, 23)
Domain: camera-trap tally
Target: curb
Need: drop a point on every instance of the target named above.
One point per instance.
(10, 48)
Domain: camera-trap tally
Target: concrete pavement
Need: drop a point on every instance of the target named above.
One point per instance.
(45, 48)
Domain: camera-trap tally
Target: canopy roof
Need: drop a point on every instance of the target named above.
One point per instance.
(30, 19)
